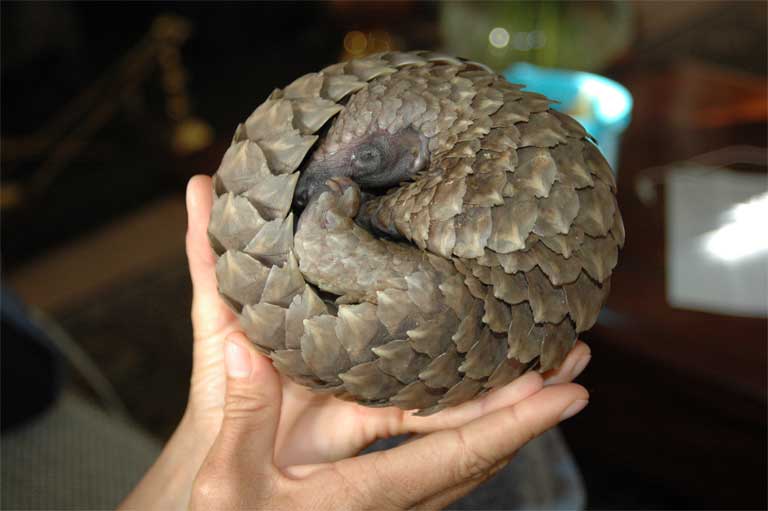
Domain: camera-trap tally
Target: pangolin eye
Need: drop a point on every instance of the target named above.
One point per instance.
(367, 159)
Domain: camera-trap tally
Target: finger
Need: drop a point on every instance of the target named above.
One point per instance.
(573, 365)
(516, 391)
(251, 406)
(447, 458)
(209, 313)
(447, 497)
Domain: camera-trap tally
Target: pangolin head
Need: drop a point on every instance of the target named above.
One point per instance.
(388, 131)
(376, 160)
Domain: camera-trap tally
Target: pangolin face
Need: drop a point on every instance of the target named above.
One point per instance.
(375, 161)
(501, 221)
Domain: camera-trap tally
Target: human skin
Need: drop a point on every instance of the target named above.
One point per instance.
(254, 439)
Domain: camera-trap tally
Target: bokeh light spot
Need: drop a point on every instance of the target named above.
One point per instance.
(355, 42)
(498, 37)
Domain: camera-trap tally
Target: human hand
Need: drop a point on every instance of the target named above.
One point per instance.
(241, 470)
(313, 428)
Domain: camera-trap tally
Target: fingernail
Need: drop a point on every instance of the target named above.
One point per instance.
(573, 409)
(580, 365)
(238, 360)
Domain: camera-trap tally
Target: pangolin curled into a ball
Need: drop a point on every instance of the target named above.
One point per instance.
(453, 231)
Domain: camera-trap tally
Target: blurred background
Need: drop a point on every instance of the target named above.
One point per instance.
(108, 109)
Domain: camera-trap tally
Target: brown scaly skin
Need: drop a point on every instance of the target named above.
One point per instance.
(500, 218)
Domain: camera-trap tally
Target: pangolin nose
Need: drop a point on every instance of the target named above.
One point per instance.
(299, 200)
(301, 194)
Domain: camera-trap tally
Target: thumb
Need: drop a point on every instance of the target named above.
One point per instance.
(251, 405)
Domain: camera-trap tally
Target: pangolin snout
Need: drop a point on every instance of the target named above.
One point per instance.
(301, 194)
(310, 182)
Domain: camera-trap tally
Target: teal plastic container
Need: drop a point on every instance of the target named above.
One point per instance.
(602, 106)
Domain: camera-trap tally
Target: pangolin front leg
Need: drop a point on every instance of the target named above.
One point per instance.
(341, 257)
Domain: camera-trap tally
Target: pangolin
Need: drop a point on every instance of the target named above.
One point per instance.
(410, 229)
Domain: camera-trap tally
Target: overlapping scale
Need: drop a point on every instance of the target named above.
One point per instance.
(243, 167)
(535, 173)
(234, 222)
(359, 331)
(596, 209)
(542, 130)
(497, 314)
(522, 346)
(303, 306)
(241, 278)
(322, 350)
(557, 211)
(469, 328)
(512, 223)
(283, 283)
(368, 382)
(264, 324)
(432, 336)
(558, 341)
(473, 228)
(598, 165)
(273, 195)
(416, 395)
(443, 371)
(465, 390)
(505, 372)
(558, 269)
(585, 299)
(599, 256)
(483, 358)
(548, 303)
(340, 86)
(273, 240)
(398, 358)
(311, 115)
(285, 151)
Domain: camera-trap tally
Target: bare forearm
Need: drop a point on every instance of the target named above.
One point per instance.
(168, 482)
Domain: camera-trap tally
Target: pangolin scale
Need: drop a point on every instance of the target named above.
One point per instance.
(488, 254)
